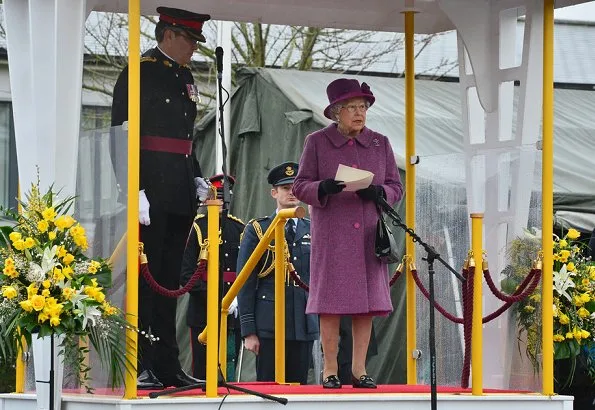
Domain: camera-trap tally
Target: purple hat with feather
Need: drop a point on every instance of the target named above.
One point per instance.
(343, 89)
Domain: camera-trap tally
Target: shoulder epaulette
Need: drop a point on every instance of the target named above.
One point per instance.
(167, 63)
(235, 218)
(148, 59)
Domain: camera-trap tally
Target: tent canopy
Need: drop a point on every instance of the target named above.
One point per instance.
(377, 15)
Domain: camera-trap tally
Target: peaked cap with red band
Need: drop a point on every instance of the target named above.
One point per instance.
(217, 181)
(185, 20)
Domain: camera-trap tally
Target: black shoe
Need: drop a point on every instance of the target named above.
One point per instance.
(331, 382)
(364, 382)
(181, 379)
(148, 381)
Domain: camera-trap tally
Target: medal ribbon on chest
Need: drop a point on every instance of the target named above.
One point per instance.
(193, 93)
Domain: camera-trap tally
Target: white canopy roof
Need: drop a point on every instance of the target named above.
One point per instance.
(377, 15)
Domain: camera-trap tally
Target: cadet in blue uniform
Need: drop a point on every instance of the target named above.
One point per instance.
(169, 181)
(196, 316)
(256, 299)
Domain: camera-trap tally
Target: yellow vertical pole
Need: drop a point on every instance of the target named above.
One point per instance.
(279, 303)
(132, 255)
(223, 341)
(213, 207)
(548, 198)
(410, 190)
(19, 386)
(477, 326)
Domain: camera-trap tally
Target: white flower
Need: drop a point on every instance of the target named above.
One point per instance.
(48, 261)
(90, 313)
(35, 273)
(562, 282)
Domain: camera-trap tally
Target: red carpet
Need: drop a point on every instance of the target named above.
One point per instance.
(277, 389)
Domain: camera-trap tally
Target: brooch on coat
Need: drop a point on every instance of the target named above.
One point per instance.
(376, 142)
(193, 93)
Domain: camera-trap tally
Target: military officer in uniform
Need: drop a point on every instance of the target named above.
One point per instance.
(256, 299)
(196, 316)
(170, 181)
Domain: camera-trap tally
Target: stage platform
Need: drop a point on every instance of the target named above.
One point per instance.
(306, 397)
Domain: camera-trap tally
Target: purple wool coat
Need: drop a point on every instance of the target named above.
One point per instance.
(346, 277)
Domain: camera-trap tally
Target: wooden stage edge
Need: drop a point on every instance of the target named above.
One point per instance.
(329, 401)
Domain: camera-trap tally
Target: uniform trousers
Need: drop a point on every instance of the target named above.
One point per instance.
(298, 357)
(164, 241)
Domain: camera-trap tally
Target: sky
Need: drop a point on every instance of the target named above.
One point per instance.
(582, 12)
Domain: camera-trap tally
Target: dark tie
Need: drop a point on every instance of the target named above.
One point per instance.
(290, 231)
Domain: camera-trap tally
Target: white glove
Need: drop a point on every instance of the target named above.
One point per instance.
(233, 308)
(143, 208)
(202, 188)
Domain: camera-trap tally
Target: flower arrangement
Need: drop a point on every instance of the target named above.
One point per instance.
(48, 286)
(574, 298)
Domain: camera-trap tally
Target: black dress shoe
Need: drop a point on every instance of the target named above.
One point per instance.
(364, 382)
(148, 381)
(331, 382)
(181, 379)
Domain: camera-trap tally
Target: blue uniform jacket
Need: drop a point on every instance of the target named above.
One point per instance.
(256, 299)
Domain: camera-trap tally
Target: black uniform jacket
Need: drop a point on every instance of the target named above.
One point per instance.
(166, 110)
(256, 299)
(228, 255)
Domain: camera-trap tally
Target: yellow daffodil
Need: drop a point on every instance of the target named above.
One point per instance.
(64, 222)
(14, 236)
(43, 225)
(570, 267)
(32, 290)
(68, 259)
(26, 305)
(577, 301)
(55, 321)
(535, 297)
(529, 308)
(564, 319)
(573, 234)
(48, 214)
(61, 251)
(559, 338)
(45, 292)
(583, 313)
(52, 235)
(42, 317)
(67, 293)
(19, 244)
(67, 271)
(9, 292)
(563, 243)
(10, 271)
(585, 297)
(569, 335)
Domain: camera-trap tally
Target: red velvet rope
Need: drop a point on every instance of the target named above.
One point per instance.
(298, 281)
(171, 293)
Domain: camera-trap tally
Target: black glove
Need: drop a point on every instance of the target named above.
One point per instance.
(330, 187)
(371, 193)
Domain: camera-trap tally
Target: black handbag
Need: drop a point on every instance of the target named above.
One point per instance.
(385, 245)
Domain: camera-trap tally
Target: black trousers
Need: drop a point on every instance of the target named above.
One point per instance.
(164, 242)
(298, 356)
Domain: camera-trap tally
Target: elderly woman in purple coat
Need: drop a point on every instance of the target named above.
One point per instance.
(346, 277)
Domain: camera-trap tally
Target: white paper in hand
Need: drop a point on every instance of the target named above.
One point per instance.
(353, 178)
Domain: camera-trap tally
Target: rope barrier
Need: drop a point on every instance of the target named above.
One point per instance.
(172, 293)
(526, 288)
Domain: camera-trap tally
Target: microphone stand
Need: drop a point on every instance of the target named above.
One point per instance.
(431, 256)
(222, 223)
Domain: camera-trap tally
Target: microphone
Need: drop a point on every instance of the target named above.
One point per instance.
(219, 60)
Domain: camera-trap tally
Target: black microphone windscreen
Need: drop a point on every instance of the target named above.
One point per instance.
(219, 58)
